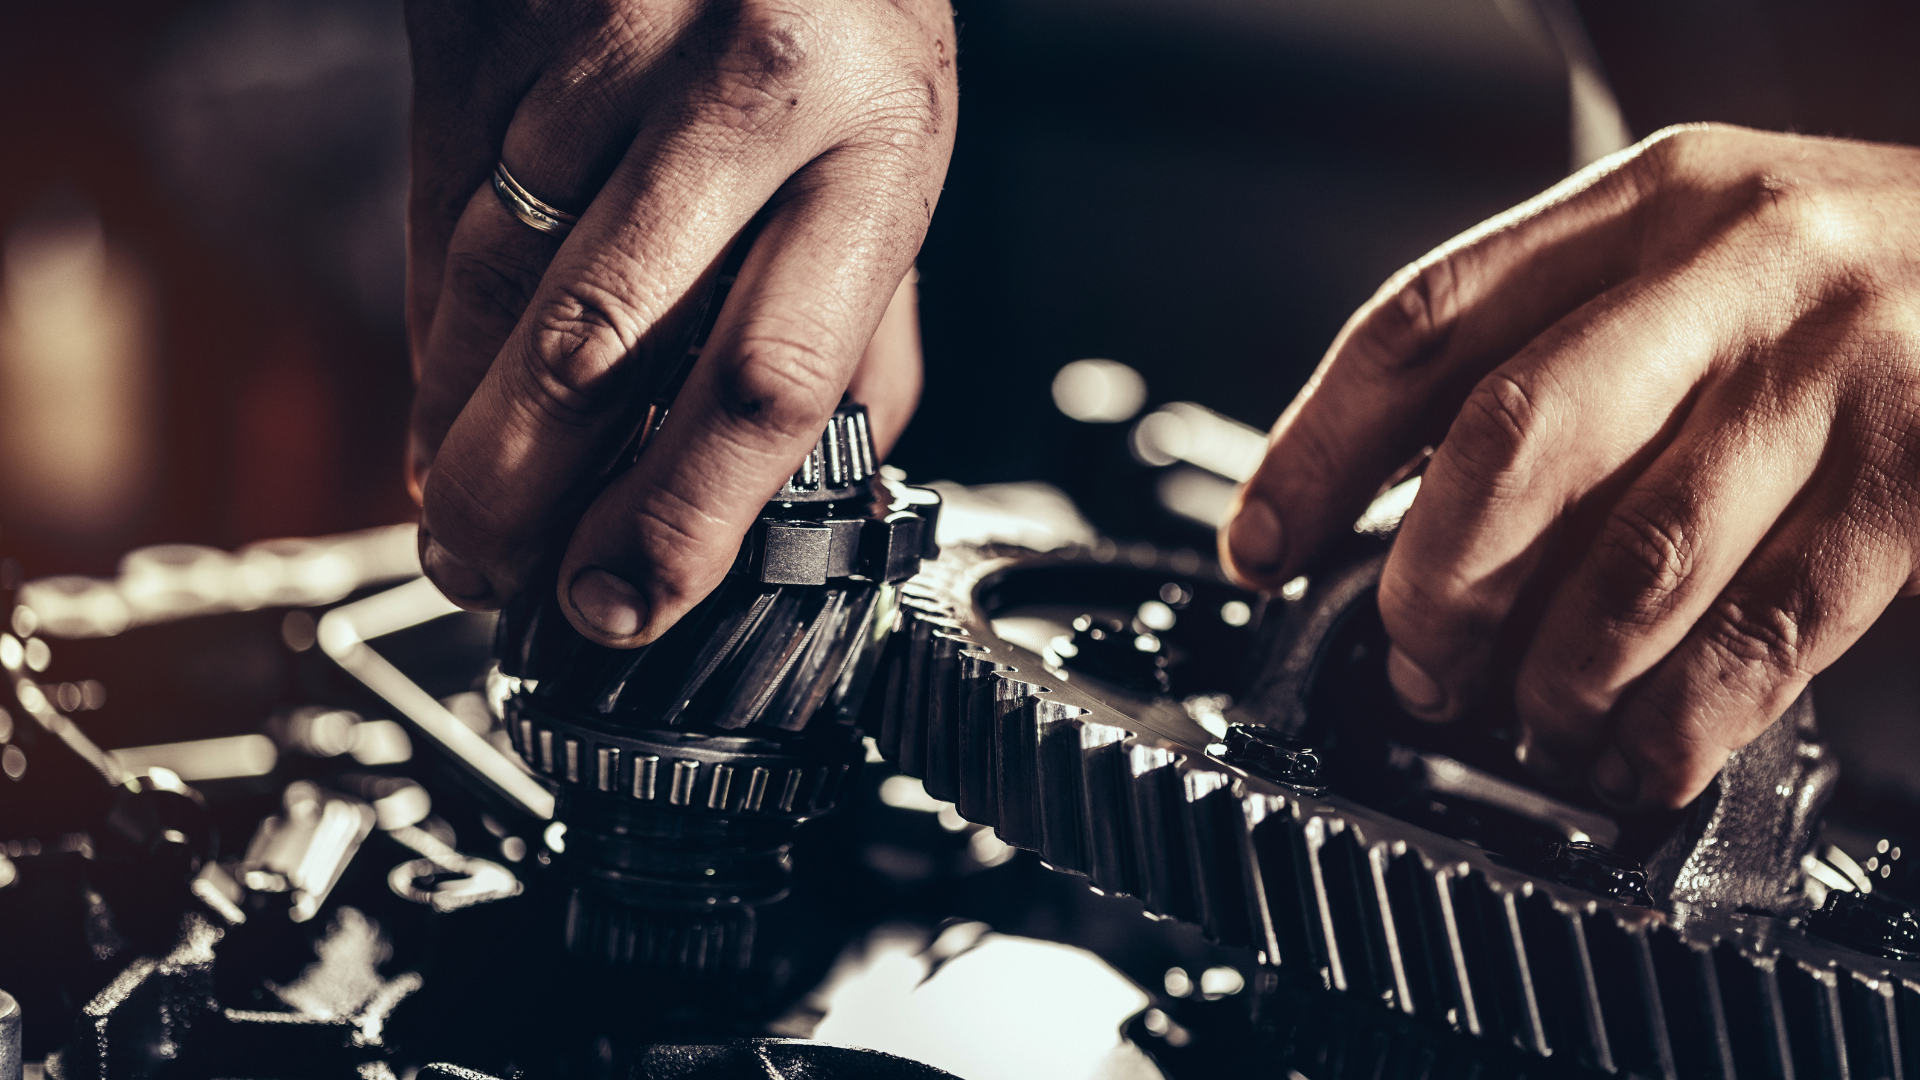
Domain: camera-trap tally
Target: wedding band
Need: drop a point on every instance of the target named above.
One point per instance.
(526, 206)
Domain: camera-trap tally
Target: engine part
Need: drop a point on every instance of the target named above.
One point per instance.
(1429, 880)
(1501, 918)
(12, 1065)
(682, 767)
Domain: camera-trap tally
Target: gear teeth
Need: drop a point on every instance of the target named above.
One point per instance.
(1331, 893)
(1353, 873)
(1907, 1007)
(1569, 1000)
(1156, 798)
(1423, 944)
(1216, 833)
(1451, 970)
(917, 693)
(1497, 965)
(1015, 735)
(1696, 1019)
(891, 704)
(841, 457)
(1816, 1025)
(1629, 992)
(1105, 779)
(1062, 783)
(935, 741)
(630, 773)
(1748, 989)
(697, 947)
(1873, 1025)
(984, 698)
(1285, 858)
(818, 664)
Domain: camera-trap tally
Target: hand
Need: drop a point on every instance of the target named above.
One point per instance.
(668, 126)
(1676, 401)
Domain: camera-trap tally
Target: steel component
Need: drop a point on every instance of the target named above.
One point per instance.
(681, 768)
(1265, 752)
(1586, 865)
(12, 1066)
(1870, 922)
(1121, 791)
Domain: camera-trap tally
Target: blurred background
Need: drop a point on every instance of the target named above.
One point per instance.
(201, 207)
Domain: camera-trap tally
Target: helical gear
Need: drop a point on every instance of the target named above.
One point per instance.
(682, 767)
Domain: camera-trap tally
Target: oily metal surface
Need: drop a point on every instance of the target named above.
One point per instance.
(1124, 793)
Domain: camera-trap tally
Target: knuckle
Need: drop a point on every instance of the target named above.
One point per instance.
(1645, 560)
(1807, 219)
(904, 121)
(1675, 147)
(1499, 432)
(577, 338)
(1413, 318)
(764, 65)
(781, 387)
(1756, 639)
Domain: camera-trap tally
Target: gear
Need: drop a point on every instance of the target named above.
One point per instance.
(682, 767)
(1138, 798)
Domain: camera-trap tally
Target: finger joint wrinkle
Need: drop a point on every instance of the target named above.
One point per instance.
(1766, 635)
(776, 385)
(1499, 430)
(1657, 557)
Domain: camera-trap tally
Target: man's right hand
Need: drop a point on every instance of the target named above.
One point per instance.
(668, 126)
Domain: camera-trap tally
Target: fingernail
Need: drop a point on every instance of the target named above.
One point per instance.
(1614, 779)
(1417, 691)
(609, 604)
(455, 578)
(1254, 538)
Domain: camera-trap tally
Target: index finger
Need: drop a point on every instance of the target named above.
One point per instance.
(1401, 367)
(556, 406)
(821, 273)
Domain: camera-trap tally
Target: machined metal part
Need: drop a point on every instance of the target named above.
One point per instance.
(694, 773)
(681, 768)
(1125, 793)
(11, 1063)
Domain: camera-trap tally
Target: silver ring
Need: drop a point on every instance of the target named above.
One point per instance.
(528, 207)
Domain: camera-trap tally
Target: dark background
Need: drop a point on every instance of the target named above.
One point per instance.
(1202, 191)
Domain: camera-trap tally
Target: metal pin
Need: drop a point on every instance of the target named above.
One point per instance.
(646, 770)
(756, 789)
(684, 772)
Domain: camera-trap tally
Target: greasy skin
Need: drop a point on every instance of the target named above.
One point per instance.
(668, 126)
(1676, 405)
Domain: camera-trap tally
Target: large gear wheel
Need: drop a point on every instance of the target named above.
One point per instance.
(1132, 794)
